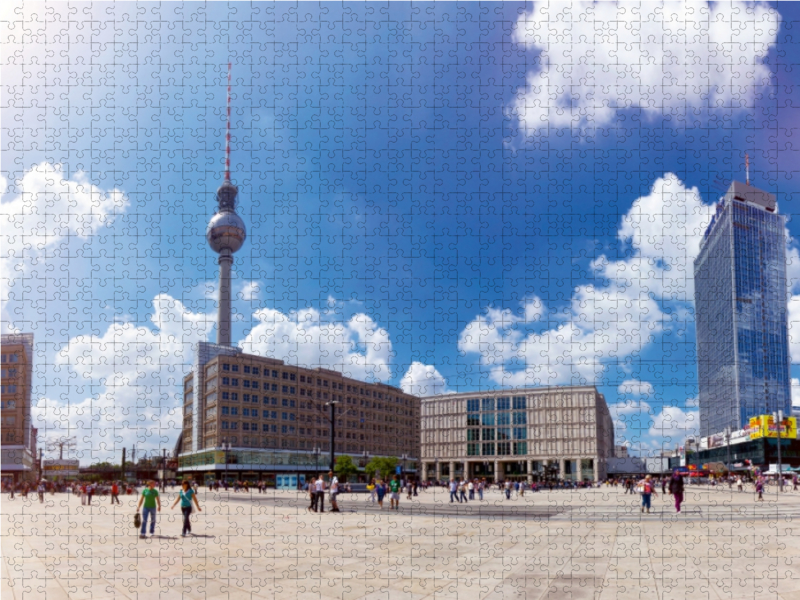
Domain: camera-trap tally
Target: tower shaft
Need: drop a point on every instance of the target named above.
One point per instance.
(224, 312)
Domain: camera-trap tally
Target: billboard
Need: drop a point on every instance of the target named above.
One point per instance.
(60, 468)
(765, 426)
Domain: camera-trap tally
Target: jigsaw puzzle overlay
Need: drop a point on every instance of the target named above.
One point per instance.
(399, 300)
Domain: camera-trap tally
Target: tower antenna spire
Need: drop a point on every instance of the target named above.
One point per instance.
(228, 131)
(746, 166)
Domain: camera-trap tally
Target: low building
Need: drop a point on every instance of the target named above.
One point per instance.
(621, 452)
(16, 445)
(536, 434)
(254, 418)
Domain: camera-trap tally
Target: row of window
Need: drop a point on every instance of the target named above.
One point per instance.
(9, 372)
(498, 449)
(8, 389)
(490, 419)
(249, 370)
(8, 404)
(10, 358)
(489, 404)
(500, 433)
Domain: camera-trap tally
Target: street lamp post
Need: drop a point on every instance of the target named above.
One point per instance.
(778, 416)
(333, 404)
(163, 469)
(728, 450)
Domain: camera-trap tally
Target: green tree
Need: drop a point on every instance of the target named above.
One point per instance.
(345, 467)
(381, 466)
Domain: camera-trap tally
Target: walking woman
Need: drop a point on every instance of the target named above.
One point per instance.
(381, 489)
(185, 497)
(648, 491)
(676, 489)
(371, 489)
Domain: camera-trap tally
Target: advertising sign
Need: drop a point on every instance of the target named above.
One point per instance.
(765, 426)
(58, 469)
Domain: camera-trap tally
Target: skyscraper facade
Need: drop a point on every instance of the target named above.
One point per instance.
(741, 311)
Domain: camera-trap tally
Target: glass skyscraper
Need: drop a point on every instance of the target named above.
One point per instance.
(741, 312)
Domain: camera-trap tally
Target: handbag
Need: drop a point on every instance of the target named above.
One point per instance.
(137, 520)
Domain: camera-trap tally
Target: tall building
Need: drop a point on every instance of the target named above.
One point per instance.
(15, 407)
(250, 417)
(547, 433)
(741, 312)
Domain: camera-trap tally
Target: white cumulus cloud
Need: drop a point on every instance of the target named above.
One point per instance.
(423, 380)
(596, 59)
(358, 348)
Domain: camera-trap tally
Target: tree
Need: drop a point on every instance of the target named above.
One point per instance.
(345, 467)
(381, 466)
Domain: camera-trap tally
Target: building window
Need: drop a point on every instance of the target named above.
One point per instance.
(245, 412)
(226, 381)
(245, 397)
(235, 396)
(292, 377)
(487, 435)
(487, 449)
(246, 369)
(234, 411)
(226, 367)
(520, 418)
(503, 433)
(234, 425)
(520, 448)
(235, 381)
(487, 404)
(225, 424)
(504, 418)
(226, 410)
(255, 370)
(487, 419)
(265, 428)
(473, 435)
(246, 383)
(520, 433)
(519, 403)
(503, 448)
(504, 404)
(235, 368)
(473, 419)
(473, 405)
(226, 396)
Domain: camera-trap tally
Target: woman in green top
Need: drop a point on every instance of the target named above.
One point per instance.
(185, 497)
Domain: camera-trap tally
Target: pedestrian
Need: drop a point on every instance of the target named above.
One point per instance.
(90, 492)
(676, 489)
(760, 488)
(739, 485)
(647, 491)
(319, 491)
(84, 495)
(462, 491)
(454, 491)
(394, 487)
(114, 493)
(312, 494)
(185, 496)
(481, 486)
(334, 491)
(416, 487)
(371, 489)
(152, 504)
(664, 486)
(507, 487)
(380, 489)
(41, 490)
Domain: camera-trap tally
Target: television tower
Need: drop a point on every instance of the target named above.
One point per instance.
(225, 234)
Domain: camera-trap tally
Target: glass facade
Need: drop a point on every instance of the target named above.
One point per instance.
(741, 315)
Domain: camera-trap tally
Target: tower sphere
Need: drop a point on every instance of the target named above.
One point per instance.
(226, 230)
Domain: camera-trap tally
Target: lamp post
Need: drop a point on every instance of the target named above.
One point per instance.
(163, 469)
(333, 404)
(316, 452)
(728, 451)
(778, 416)
(365, 458)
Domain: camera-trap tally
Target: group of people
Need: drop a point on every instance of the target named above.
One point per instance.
(150, 505)
(316, 488)
(378, 488)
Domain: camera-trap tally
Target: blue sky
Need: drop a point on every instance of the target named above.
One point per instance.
(449, 197)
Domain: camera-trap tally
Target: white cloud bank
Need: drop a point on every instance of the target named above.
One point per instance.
(423, 380)
(358, 348)
(596, 59)
(609, 320)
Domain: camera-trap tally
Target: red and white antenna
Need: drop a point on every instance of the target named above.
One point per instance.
(228, 131)
(746, 166)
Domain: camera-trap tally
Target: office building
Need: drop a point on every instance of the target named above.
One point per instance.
(536, 434)
(250, 417)
(741, 312)
(15, 408)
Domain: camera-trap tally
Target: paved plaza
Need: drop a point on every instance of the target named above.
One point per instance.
(561, 544)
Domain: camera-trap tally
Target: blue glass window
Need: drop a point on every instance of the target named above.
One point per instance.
(487, 419)
(519, 403)
(473, 405)
(487, 404)
(503, 403)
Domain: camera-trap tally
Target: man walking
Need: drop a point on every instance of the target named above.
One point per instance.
(334, 491)
(454, 491)
(394, 487)
(319, 505)
(152, 503)
(114, 493)
(676, 489)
